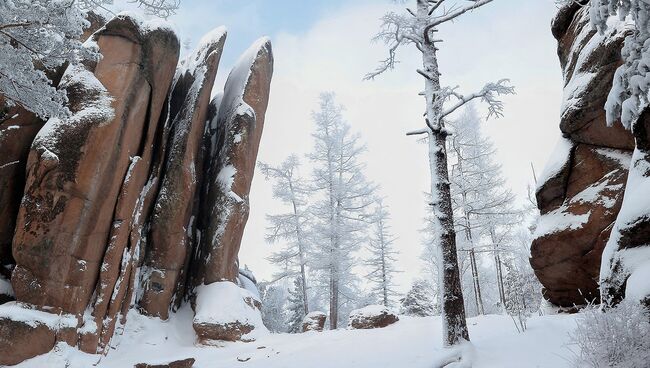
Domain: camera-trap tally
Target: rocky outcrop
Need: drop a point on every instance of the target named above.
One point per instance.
(115, 195)
(172, 226)
(236, 126)
(372, 316)
(18, 128)
(625, 268)
(581, 190)
(314, 321)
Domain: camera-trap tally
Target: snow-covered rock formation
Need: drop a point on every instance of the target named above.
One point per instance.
(590, 238)
(111, 216)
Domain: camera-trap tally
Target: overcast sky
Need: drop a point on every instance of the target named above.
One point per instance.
(324, 45)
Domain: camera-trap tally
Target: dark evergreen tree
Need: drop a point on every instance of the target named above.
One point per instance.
(418, 301)
(295, 307)
(274, 315)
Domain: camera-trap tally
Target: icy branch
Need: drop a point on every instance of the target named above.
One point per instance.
(489, 94)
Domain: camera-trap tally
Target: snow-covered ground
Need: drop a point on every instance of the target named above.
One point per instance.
(411, 342)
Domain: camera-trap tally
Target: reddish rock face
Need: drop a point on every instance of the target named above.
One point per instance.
(116, 195)
(570, 238)
(20, 341)
(173, 223)
(18, 127)
(626, 259)
(238, 130)
(589, 61)
(17, 131)
(581, 201)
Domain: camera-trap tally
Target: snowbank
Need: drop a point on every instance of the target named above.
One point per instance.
(415, 342)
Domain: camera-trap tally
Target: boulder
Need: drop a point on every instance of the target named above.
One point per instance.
(26, 332)
(314, 321)
(372, 316)
(185, 363)
(226, 312)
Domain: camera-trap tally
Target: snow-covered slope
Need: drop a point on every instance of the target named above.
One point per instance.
(411, 342)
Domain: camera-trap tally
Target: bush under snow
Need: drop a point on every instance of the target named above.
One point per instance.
(618, 337)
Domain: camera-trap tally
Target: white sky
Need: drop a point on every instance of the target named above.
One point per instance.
(506, 39)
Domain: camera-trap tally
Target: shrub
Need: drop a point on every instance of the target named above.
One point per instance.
(617, 337)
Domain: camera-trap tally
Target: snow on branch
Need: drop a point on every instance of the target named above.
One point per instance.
(489, 95)
(396, 30)
(455, 12)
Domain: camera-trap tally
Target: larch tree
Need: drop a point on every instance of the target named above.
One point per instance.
(37, 36)
(344, 200)
(483, 205)
(291, 226)
(382, 256)
(418, 27)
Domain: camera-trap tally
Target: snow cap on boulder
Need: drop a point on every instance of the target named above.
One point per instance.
(372, 316)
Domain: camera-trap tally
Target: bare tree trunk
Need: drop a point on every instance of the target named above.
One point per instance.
(453, 307)
(301, 255)
(334, 301)
(477, 285)
(497, 263)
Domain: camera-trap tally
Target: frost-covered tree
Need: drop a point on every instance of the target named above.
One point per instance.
(418, 300)
(274, 298)
(41, 35)
(344, 197)
(295, 308)
(418, 28)
(515, 297)
(382, 256)
(483, 205)
(291, 226)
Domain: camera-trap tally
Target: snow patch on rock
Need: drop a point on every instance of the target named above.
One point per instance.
(559, 220)
(223, 303)
(26, 313)
(560, 158)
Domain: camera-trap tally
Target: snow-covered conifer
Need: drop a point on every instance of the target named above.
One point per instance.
(290, 226)
(274, 298)
(418, 301)
(382, 256)
(343, 198)
(295, 310)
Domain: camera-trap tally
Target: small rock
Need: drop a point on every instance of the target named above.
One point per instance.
(314, 321)
(185, 363)
(372, 316)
